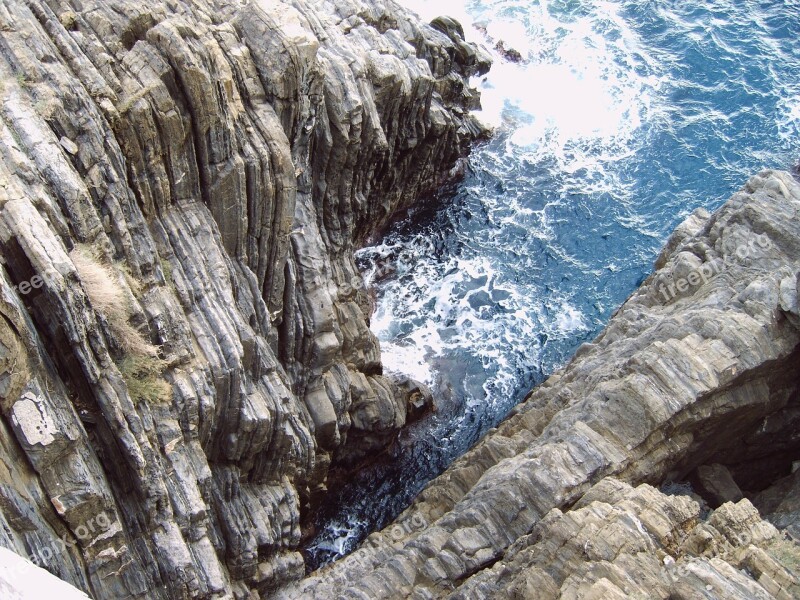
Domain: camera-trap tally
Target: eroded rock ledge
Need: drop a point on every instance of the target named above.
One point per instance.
(182, 187)
(694, 378)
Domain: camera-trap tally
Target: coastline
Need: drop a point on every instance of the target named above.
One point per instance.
(176, 393)
(665, 389)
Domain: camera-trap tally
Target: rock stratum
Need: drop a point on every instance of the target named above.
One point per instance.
(588, 489)
(184, 341)
(185, 353)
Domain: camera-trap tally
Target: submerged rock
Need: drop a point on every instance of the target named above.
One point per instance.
(184, 348)
(698, 367)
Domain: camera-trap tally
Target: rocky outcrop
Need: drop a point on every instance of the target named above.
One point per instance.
(697, 369)
(182, 187)
(620, 543)
(185, 351)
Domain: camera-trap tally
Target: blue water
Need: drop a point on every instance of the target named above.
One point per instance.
(623, 119)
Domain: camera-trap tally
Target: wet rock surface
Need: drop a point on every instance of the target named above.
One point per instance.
(216, 163)
(697, 371)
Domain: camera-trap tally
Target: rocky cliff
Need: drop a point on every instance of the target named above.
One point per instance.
(184, 342)
(691, 388)
(185, 351)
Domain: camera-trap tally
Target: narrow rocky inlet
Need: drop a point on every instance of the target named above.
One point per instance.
(187, 365)
(691, 388)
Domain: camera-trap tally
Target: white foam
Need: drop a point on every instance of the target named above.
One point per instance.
(569, 319)
(789, 123)
(577, 100)
(406, 360)
(342, 535)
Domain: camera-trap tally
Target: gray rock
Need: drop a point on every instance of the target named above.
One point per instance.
(696, 368)
(780, 504)
(220, 162)
(716, 485)
(172, 406)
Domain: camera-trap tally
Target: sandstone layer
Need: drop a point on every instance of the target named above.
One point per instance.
(184, 342)
(693, 379)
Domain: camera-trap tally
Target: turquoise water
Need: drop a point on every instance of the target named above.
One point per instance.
(623, 118)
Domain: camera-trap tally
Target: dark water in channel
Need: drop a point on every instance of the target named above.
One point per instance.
(625, 118)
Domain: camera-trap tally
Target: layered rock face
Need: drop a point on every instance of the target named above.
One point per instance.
(694, 379)
(182, 187)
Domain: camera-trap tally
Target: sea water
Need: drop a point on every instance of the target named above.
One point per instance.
(621, 119)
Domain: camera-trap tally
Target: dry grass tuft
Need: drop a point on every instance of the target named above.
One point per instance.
(143, 375)
(105, 292)
(100, 285)
(140, 367)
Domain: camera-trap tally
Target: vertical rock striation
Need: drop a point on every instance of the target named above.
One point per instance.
(216, 163)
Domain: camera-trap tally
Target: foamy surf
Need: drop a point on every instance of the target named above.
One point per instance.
(587, 92)
(620, 119)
